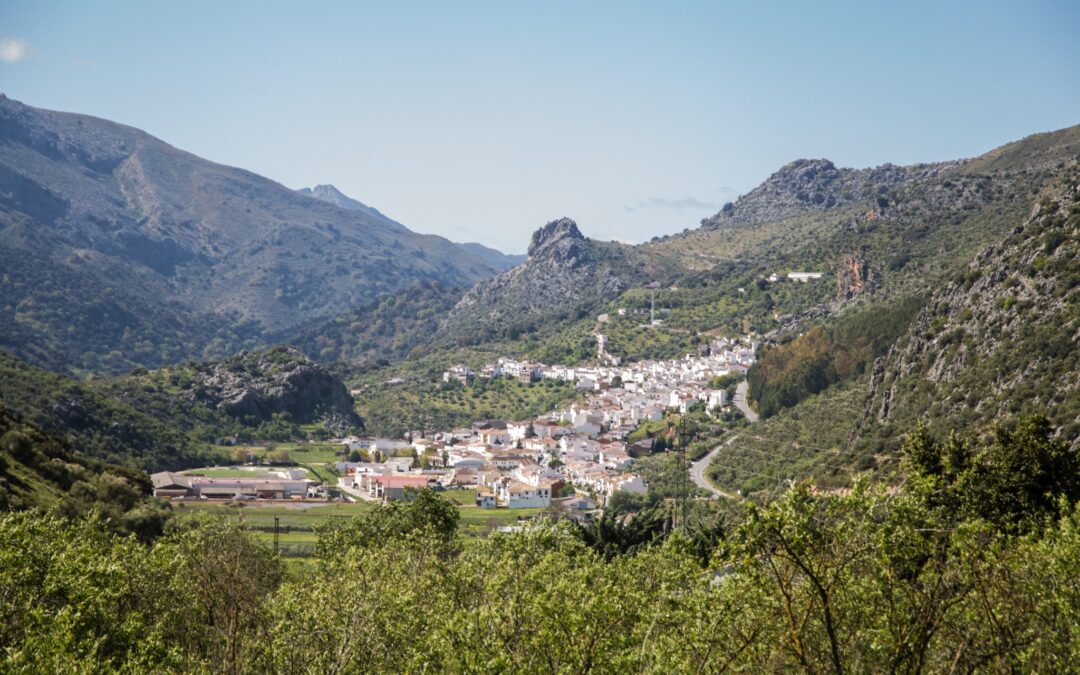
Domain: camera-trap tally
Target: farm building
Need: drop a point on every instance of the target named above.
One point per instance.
(168, 484)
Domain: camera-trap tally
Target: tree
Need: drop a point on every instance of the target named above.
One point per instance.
(1015, 481)
(422, 513)
(222, 584)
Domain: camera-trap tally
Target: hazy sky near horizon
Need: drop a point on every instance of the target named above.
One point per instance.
(481, 121)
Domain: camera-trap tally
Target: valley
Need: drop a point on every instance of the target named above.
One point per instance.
(849, 390)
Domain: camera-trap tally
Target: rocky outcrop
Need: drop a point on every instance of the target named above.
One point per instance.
(560, 238)
(254, 386)
(808, 185)
(566, 274)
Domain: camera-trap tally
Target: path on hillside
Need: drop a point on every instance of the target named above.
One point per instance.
(740, 402)
(697, 471)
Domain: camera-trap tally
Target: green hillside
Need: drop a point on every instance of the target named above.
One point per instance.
(1003, 338)
(170, 418)
(39, 470)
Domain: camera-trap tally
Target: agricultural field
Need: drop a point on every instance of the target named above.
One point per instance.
(302, 453)
(230, 471)
(299, 523)
(477, 523)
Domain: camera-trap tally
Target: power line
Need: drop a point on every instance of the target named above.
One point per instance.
(798, 444)
(742, 470)
(765, 453)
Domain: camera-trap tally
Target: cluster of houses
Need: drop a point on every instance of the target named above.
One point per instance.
(576, 454)
(721, 357)
(507, 464)
(523, 371)
(581, 447)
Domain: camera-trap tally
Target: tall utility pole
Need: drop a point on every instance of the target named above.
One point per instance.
(680, 497)
(682, 490)
(652, 303)
(275, 535)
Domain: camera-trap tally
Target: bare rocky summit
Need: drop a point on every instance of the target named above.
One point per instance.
(817, 185)
(566, 274)
(328, 193)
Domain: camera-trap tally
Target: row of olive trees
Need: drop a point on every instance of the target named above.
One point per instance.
(874, 580)
(867, 582)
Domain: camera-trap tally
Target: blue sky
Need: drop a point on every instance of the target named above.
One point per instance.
(482, 121)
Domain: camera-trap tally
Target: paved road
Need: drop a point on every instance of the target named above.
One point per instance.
(697, 469)
(697, 472)
(740, 402)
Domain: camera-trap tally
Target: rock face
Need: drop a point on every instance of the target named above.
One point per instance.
(852, 278)
(279, 380)
(184, 258)
(1003, 338)
(560, 238)
(566, 274)
(808, 185)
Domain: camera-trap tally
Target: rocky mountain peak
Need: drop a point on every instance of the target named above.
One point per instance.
(330, 194)
(325, 192)
(809, 185)
(806, 171)
(551, 234)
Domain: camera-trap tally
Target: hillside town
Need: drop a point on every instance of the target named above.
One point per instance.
(580, 448)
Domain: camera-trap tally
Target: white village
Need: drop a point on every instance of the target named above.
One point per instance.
(577, 453)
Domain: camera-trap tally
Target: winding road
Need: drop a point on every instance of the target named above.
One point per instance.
(740, 402)
(698, 468)
(697, 472)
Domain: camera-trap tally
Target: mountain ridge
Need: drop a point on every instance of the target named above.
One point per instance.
(330, 194)
(178, 239)
(565, 275)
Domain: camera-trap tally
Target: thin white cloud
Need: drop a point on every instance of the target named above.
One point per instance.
(672, 203)
(689, 203)
(13, 50)
(679, 203)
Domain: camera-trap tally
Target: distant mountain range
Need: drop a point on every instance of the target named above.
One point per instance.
(120, 250)
(328, 193)
(498, 259)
